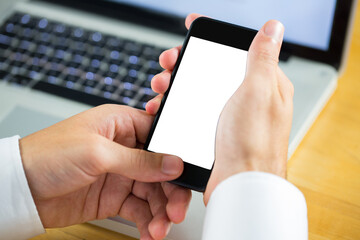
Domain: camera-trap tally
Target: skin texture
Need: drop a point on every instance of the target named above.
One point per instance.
(254, 126)
(90, 167)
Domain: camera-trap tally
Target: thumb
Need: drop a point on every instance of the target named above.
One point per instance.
(263, 56)
(142, 165)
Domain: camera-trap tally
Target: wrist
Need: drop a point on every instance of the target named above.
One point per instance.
(226, 167)
(231, 164)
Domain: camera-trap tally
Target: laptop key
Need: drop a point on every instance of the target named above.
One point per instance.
(133, 48)
(2, 58)
(79, 34)
(152, 71)
(19, 80)
(3, 74)
(27, 20)
(16, 17)
(146, 84)
(97, 53)
(78, 46)
(74, 64)
(61, 43)
(55, 60)
(153, 65)
(17, 63)
(135, 67)
(35, 68)
(129, 79)
(44, 38)
(10, 29)
(140, 105)
(27, 34)
(5, 41)
(112, 74)
(128, 93)
(62, 30)
(109, 88)
(97, 39)
(146, 97)
(42, 49)
(90, 83)
(43, 25)
(53, 73)
(114, 43)
(72, 78)
(152, 53)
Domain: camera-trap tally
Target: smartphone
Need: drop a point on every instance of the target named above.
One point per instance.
(210, 67)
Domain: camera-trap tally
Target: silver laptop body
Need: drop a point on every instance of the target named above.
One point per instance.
(313, 72)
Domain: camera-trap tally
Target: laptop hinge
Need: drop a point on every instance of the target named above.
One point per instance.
(284, 56)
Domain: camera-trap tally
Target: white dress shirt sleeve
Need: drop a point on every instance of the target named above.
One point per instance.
(19, 218)
(256, 205)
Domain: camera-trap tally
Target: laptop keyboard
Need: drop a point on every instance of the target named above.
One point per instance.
(75, 63)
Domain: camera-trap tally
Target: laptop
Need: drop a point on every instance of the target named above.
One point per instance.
(61, 57)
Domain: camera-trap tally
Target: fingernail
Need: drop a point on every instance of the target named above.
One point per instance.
(274, 29)
(168, 228)
(171, 165)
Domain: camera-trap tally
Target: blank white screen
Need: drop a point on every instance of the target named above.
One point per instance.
(208, 75)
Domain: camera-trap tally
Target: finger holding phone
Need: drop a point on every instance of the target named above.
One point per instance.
(254, 126)
(91, 167)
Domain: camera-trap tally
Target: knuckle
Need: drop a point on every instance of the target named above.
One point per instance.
(259, 92)
(138, 159)
(107, 108)
(266, 56)
(278, 108)
(94, 155)
(288, 89)
(291, 88)
(93, 149)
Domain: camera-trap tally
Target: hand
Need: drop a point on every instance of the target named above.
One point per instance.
(87, 167)
(160, 82)
(254, 126)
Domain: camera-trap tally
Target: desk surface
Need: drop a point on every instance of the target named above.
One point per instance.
(325, 167)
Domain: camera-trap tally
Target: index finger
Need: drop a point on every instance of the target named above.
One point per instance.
(190, 18)
(167, 59)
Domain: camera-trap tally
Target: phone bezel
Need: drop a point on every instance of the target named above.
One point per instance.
(195, 177)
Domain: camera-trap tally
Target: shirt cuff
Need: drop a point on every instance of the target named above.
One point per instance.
(256, 205)
(19, 218)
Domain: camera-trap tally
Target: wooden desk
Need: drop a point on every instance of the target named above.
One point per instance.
(325, 167)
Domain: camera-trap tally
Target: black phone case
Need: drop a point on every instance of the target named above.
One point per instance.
(195, 177)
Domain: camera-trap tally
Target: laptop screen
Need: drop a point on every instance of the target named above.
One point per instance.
(307, 22)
